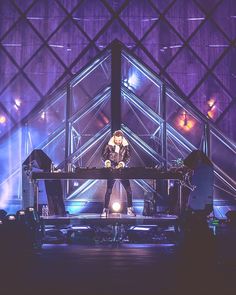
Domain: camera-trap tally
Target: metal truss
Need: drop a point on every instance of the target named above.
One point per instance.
(164, 133)
(161, 145)
(138, 43)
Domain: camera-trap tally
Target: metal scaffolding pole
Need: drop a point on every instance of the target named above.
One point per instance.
(115, 86)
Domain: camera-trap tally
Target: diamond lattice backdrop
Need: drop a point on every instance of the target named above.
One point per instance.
(190, 43)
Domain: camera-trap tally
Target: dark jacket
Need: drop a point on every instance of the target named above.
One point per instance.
(109, 153)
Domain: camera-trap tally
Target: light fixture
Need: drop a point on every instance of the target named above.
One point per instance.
(20, 215)
(132, 82)
(11, 217)
(142, 228)
(43, 115)
(3, 119)
(211, 103)
(17, 103)
(75, 183)
(32, 215)
(116, 206)
(185, 121)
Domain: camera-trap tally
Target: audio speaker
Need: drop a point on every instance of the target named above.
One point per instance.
(201, 198)
(38, 159)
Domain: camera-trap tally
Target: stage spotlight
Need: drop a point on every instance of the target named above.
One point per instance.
(211, 103)
(32, 215)
(211, 112)
(132, 82)
(76, 183)
(20, 215)
(185, 121)
(3, 119)
(17, 103)
(43, 115)
(11, 217)
(116, 206)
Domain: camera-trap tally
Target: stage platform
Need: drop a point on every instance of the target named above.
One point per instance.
(116, 227)
(91, 219)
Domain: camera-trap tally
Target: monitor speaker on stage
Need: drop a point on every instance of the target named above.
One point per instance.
(201, 198)
(39, 160)
(196, 158)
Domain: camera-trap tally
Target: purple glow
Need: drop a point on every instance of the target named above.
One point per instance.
(47, 46)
